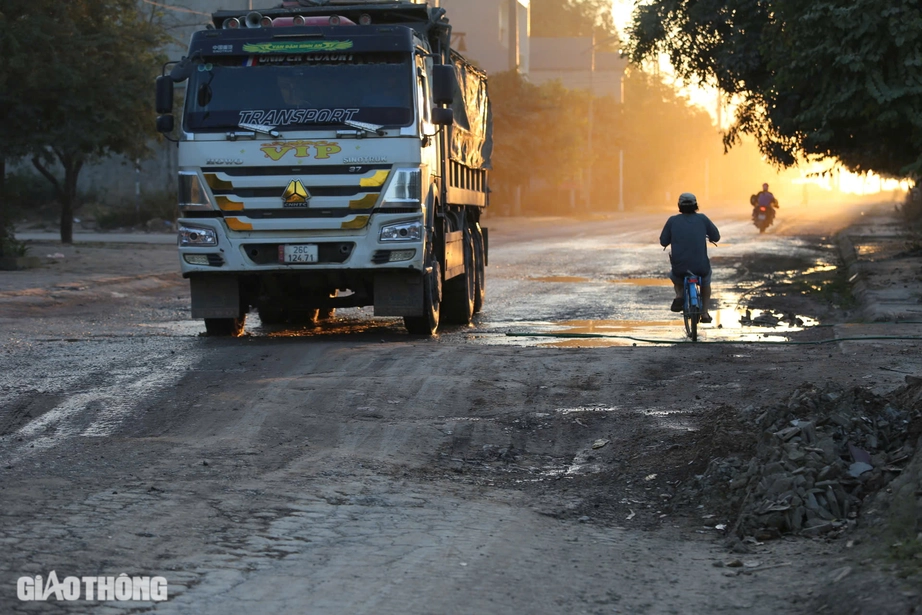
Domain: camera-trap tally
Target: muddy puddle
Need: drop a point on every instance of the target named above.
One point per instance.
(729, 324)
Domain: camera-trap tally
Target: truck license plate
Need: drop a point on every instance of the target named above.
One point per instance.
(298, 253)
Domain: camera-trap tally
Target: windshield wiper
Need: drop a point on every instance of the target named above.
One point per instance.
(262, 128)
(372, 128)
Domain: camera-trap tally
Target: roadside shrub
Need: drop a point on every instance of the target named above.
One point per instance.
(9, 245)
(912, 207)
(27, 194)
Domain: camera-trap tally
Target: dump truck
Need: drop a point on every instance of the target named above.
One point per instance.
(330, 154)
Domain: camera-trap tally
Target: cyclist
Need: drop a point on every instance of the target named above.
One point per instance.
(688, 233)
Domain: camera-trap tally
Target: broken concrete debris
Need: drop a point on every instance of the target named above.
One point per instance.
(820, 454)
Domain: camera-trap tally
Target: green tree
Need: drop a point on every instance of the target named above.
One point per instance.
(78, 86)
(814, 78)
(537, 135)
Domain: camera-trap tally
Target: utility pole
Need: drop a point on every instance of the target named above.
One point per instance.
(514, 35)
(593, 45)
(591, 108)
(707, 179)
(621, 150)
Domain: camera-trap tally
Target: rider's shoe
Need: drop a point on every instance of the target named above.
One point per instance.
(706, 318)
(677, 304)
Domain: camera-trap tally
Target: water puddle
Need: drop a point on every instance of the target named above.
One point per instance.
(818, 269)
(729, 324)
(560, 279)
(867, 249)
(643, 281)
(736, 319)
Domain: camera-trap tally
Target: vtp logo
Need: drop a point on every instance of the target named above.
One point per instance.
(121, 588)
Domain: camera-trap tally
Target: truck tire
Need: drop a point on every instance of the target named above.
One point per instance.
(458, 305)
(480, 257)
(428, 323)
(225, 327)
(272, 316)
(314, 316)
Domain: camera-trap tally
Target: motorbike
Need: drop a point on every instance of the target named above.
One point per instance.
(763, 216)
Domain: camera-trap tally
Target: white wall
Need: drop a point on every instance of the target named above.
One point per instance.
(481, 31)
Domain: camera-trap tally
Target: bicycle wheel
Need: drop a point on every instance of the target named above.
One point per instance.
(695, 315)
(692, 311)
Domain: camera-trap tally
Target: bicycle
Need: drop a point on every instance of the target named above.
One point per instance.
(692, 306)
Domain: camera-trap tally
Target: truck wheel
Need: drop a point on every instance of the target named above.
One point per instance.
(272, 316)
(460, 290)
(428, 323)
(225, 327)
(480, 286)
(325, 314)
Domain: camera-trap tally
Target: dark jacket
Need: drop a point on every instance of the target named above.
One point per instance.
(688, 235)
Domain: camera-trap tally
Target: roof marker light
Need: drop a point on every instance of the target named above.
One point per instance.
(265, 22)
(365, 19)
(298, 20)
(231, 23)
(334, 20)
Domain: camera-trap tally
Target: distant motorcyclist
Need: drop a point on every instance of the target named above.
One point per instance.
(764, 199)
(688, 233)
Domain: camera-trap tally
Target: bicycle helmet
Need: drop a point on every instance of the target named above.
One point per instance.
(688, 203)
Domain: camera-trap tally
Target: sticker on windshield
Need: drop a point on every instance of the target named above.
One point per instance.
(284, 117)
(321, 150)
(296, 46)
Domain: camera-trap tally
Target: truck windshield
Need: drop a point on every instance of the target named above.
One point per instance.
(298, 95)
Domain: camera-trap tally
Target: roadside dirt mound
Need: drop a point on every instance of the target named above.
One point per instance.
(818, 458)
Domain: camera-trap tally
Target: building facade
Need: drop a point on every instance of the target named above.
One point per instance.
(494, 34)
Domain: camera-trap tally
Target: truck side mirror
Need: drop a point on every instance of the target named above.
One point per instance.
(444, 84)
(165, 123)
(164, 95)
(442, 116)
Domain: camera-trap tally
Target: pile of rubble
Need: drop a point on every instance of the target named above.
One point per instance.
(820, 454)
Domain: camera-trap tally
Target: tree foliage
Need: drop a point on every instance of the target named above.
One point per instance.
(668, 145)
(76, 86)
(534, 134)
(814, 78)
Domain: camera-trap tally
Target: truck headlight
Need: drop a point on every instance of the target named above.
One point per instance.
(192, 194)
(404, 231)
(194, 236)
(404, 187)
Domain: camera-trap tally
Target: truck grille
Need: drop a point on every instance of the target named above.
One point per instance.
(329, 252)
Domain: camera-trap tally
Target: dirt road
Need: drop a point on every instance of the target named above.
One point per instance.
(355, 469)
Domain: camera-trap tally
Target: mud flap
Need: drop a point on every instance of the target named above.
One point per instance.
(398, 293)
(454, 254)
(215, 296)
